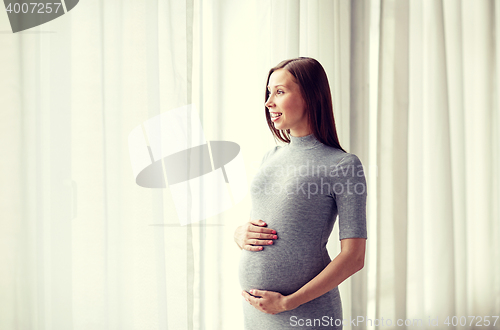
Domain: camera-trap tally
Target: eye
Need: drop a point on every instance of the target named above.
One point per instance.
(280, 91)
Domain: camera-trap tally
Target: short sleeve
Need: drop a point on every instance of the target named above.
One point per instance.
(350, 191)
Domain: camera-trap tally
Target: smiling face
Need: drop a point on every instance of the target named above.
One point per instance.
(286, 99)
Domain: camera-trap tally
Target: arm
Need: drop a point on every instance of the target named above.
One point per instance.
(349, 261)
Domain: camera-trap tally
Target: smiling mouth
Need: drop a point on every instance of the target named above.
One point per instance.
(275, 114)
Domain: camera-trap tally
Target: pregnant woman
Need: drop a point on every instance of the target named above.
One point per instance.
(288, 279)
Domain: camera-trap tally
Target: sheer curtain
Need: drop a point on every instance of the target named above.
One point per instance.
(437, 159)
(415, 94)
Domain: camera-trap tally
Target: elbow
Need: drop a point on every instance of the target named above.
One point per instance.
(354, 249)
(356, 268)
(359, 263)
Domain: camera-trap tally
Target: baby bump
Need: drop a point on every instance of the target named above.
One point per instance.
(279, 267)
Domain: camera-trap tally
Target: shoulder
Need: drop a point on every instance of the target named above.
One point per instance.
(270, 153)
(348, 165)
(348, 159)
(338, 157)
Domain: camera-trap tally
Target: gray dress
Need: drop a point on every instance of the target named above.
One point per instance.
(299, 191)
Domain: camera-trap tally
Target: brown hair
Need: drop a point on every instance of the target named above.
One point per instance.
(313, 83)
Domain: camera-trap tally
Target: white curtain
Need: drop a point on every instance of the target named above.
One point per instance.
(415, 92)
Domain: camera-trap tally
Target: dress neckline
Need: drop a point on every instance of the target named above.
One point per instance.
(308, 141)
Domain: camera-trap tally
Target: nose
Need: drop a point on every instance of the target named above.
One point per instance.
(269, 103)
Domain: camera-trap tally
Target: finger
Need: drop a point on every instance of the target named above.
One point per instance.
(245, 295)
(262, 236)
(258, 293)
(258, 242)
(258, 222)
(253, 248)
(248, 297)
(255, 301)
(257, 229)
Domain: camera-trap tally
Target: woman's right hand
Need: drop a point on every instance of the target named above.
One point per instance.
(252, 235)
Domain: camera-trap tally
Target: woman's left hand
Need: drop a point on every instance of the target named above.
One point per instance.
(269, 302)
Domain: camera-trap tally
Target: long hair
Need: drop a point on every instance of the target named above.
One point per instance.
(313, 83)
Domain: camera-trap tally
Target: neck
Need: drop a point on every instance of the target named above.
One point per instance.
(300, 133)
(306, 141)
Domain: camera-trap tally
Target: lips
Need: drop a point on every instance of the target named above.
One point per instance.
(275, 118)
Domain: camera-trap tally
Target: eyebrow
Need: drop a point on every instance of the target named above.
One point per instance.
(277, 86)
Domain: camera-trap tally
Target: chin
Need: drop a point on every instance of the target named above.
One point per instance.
(279, 126)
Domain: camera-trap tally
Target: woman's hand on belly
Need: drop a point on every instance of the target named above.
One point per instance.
(252, 235)
(269, 302)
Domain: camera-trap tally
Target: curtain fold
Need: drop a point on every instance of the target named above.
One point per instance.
(478, 86)
(392, 160)
(453, 44)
